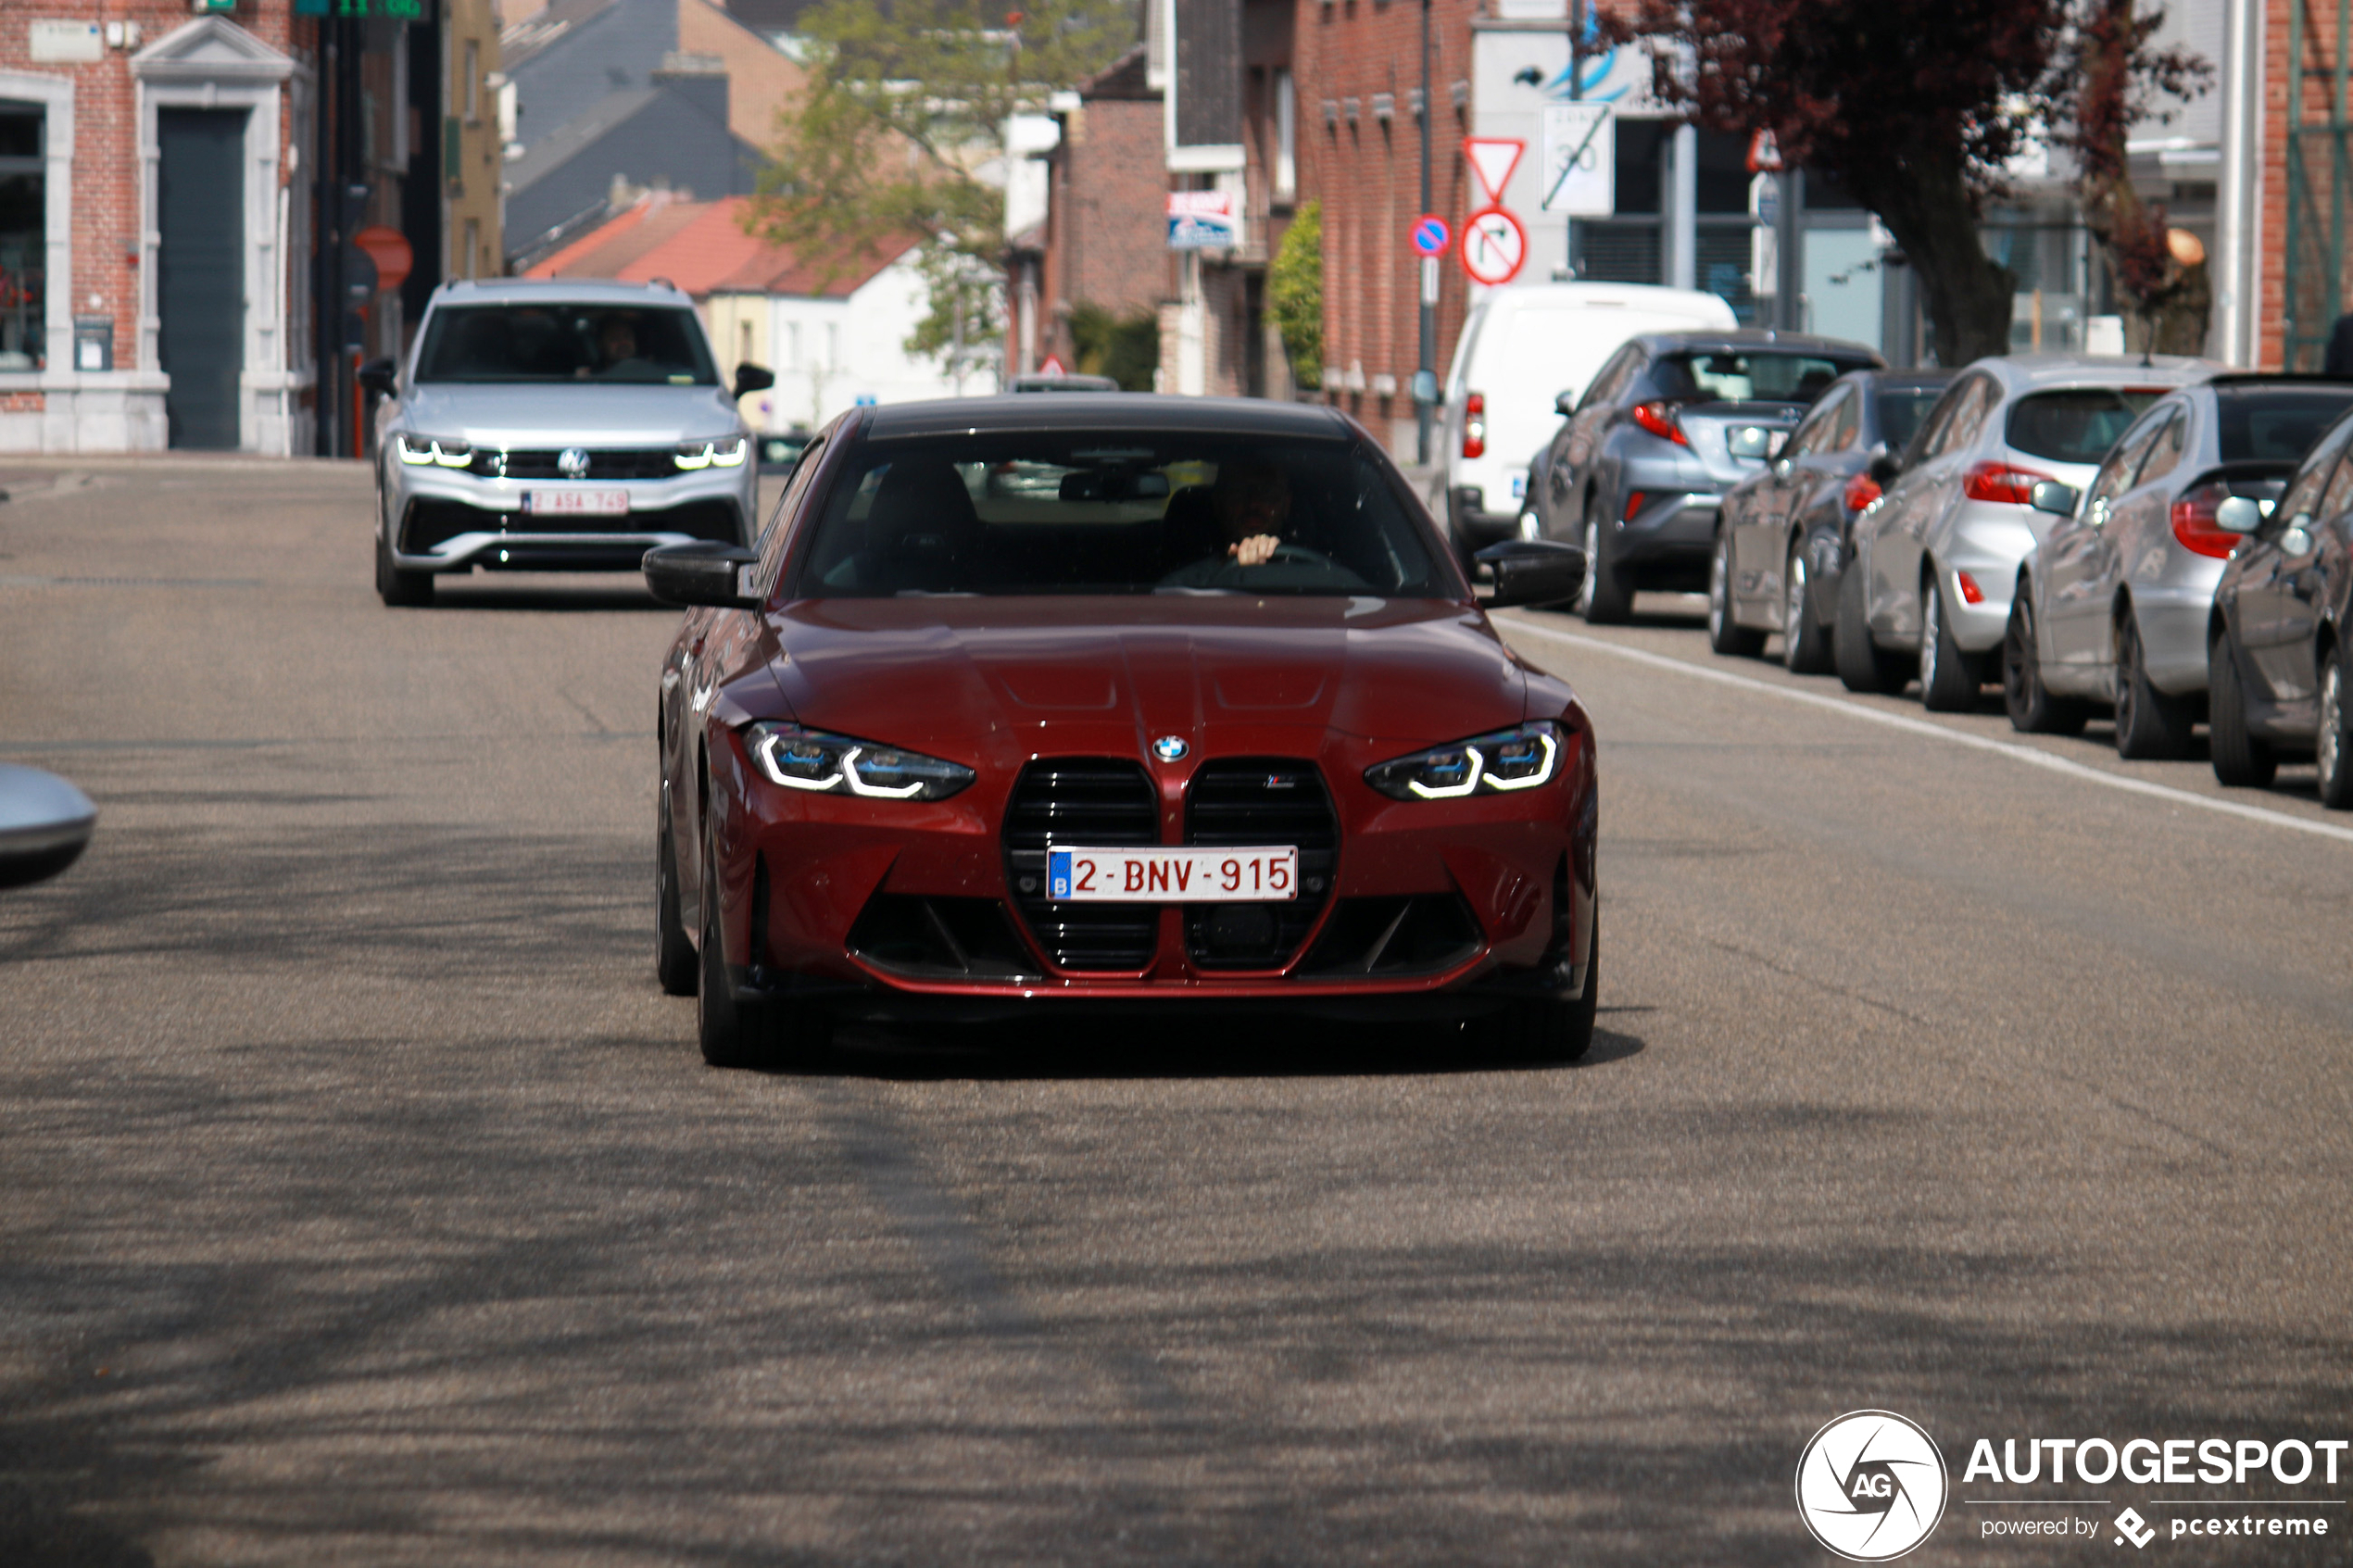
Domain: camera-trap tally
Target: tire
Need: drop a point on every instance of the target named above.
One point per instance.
(2239, 758)
(1805, 641)
(1863, 665)
(1604, 601)
(1544, 1028)
(2032, 709)
(768, 1037)
(2151, 725)
(1948, 680)
(674, 961)
(2333, 745)
(398, 589)
(1726, 635)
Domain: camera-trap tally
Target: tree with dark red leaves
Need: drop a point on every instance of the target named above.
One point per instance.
(1912, 105)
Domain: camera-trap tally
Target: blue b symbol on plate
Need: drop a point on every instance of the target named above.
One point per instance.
(1058, 875)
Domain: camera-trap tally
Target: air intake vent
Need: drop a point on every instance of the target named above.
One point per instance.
(1091, 801)
(1259, 800)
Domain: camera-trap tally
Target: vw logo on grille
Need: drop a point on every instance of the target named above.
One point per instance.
(572, 462)
(1170, 748)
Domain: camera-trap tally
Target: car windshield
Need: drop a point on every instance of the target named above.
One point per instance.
(2277, 424)
(1723, 376)
(2078, 424)
(1900, 410)
(548, 342)
(1117, 512)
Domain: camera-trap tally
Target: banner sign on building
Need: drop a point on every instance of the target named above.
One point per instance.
(1203, 220)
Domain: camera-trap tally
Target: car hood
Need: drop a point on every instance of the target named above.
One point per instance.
(556, 414)
(1005, 679)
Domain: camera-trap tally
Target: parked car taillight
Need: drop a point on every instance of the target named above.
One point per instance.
(1999, 482)
(1475, 425)
(1660, 421)
(1861, 491)
(2194, 523)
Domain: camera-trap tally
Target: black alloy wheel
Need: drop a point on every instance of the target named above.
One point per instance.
(1605, 600)
(674, 963)
(2032, 709)
(1546, 1029)
(1863, 665)
(2151, 726)
(1726, 635)
(1948, 678)
(1805, 639)
(769, 1034)
(398, 589)
(2239, 758)
(2333, 745)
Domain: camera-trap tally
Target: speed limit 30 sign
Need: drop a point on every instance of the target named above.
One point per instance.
(1495, 246)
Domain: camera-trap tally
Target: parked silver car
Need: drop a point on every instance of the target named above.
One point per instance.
(554, 426)
(1928, 590)
(2113, 605)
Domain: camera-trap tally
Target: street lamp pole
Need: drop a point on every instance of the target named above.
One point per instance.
(1426, 371)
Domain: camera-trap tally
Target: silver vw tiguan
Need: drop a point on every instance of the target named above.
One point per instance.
(554, 426)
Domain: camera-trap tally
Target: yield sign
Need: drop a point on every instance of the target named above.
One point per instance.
(1493, 158)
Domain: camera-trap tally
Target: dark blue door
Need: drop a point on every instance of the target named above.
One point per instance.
(200, 284)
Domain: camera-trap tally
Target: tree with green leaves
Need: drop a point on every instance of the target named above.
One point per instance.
(900, 126)
(1295, 293)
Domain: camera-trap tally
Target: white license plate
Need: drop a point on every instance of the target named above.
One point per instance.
(576, 503)
(1265, 874)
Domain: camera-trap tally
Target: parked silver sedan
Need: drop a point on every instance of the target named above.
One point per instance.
(1928, 591)
(554, 426)
(2114, 605)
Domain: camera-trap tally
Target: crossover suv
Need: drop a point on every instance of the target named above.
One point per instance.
(2112, 606)
(554, 426)
(1098, 703)
(1928, 591)
(1671, 423)
(2277, 656)
(1783, 534)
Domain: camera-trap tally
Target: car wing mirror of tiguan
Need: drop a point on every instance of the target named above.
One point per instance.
(703, 572)
(753, 378)
(378, 376)
(1532, 572)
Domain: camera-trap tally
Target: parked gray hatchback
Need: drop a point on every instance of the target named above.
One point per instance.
(554, 426)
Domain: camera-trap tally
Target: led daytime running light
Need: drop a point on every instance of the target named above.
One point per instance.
(418, 450)
(835, 768)
(727, 454)
(1502, 761)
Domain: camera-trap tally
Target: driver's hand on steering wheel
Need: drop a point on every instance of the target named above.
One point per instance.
(1253, 551)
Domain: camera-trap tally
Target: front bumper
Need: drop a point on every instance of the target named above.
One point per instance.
(1435, 909)
(453, 522)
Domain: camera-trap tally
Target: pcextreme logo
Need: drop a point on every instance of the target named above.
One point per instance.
(1870, 1486)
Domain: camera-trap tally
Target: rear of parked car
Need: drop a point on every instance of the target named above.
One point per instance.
(1523, 350)
(1940, 551)
(2113, 605)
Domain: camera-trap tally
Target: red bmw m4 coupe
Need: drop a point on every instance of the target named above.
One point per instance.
(1113, 702)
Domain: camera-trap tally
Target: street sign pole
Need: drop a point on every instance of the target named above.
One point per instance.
(1576, 95)
(1426, 370)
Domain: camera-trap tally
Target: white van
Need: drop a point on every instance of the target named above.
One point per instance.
(1521, 348)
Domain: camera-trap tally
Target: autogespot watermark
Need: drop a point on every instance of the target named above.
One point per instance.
(1871, 1485)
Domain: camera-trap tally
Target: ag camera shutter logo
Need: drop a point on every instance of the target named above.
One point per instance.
(1871, 1485)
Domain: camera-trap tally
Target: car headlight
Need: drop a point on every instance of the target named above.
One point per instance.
(1500, 763)
(827, 764)
(726, 452)
(418, 450)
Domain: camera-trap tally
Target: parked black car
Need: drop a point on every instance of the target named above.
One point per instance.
(1784, 533)
(1668, 424)
(2276, 658)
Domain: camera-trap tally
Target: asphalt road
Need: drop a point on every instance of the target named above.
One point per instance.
(363, 1202)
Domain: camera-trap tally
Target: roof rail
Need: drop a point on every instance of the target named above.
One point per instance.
(664, 284)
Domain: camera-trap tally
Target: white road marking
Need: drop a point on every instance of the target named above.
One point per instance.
(2025, 754)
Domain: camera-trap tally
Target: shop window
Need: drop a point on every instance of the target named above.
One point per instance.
(23, 239)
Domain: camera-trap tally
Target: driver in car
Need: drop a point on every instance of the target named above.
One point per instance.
(1251, 502)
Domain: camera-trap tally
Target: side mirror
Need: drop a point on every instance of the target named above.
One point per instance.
(380, 376)
(753, 378)
(44, 826)
(705, 572)
(2238, 514)
(2050, 496)
(1533, 571)
(1884, 469)
(1564, 404)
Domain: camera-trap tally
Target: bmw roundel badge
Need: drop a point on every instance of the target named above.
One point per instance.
(1170, 748)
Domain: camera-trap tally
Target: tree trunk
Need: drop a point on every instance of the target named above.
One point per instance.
(1968, 297)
